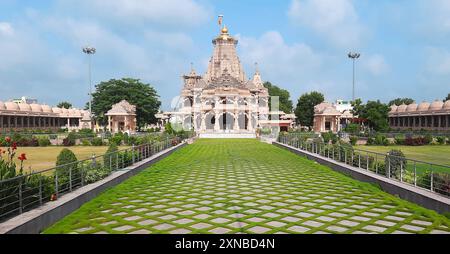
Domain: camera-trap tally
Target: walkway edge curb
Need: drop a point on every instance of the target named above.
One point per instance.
(407, 192)
(37, 220)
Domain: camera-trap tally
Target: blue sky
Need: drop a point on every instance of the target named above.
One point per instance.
(300, 45)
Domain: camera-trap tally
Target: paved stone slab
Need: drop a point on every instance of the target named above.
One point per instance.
(412, 228)
(201, 225)
(375, 228)
(147, 222)
(141, 232)
(298, 229)
(276, 224)
(259, 230)
(220, 220)
(313, 224)
(385, 223)
(183, 221)
(348, 223)
(290, 219)
(163, 226)
(123, 228)
(337, 229)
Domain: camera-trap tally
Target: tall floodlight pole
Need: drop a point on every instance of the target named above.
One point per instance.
(354, 57)
(90, 51)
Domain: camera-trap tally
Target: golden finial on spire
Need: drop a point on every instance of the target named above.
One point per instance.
(224, 30)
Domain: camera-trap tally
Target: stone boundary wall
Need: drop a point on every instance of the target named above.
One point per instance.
(407, 192)
(37, 220)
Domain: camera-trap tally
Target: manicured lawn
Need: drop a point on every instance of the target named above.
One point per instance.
(233, 186)
(39, 158)
(439, 154)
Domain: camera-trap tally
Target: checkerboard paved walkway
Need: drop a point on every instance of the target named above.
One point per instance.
(243, 186)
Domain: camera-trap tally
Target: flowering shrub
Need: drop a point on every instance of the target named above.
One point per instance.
(13, 181)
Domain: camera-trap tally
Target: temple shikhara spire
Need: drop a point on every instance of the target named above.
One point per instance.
(223, 102)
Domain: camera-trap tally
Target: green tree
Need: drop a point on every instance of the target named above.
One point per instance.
(64, 104)
(142, 95)
(400, 101)
(305, 107)
(447, 98)
(285, 103)
(375, 112)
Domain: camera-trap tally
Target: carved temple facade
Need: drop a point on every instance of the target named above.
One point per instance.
(222, 101)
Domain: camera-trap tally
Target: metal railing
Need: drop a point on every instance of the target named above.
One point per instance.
(425, 175)
(29, 191)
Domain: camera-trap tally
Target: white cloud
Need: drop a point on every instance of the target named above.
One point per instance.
(335, 20)
(273, 54)
(296, 67)
(376, 65)
(172, 12)
(6, 29)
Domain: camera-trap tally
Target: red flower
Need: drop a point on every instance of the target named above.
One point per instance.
(8, 139)
(22, 157)
(14, 146)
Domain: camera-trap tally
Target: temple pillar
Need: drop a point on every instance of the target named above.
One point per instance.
(250, 122)
(236, 122)
(217, 124)
(203, 123)
(15, 121)
(195, 121)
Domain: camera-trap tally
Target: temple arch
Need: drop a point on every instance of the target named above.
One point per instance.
(210, 120)
(226, 121)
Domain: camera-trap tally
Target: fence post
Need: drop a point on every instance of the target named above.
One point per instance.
(389, 166)
(368, 161)
(359, 160)
(82, 174)
(401, 171)
(56, 183)
(70, 178)
(415, 174)
(345, 159)
(432, 180)
(40, 190)
(20, 197)
(353, 156)
(376, 163)
(132, 153)
(117, 161)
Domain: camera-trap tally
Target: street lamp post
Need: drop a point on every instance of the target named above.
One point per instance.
(354, 57)
(90, 51)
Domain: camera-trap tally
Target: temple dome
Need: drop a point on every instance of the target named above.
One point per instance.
(446, 105)
(24, 107)
(11, 106)
(394, 108)
(402, 108)
(436, 105)
(74, 112)
(412, 107)
(424, 106)
(2, 105)
(57, 110)
(36, 108)
(46, 109)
